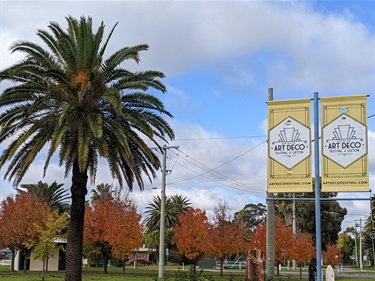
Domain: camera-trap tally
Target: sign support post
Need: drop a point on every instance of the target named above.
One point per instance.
(317, 190)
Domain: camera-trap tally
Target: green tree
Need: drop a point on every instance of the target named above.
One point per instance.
(175, 206)
(368, 241)
(55, 195)
(45, 246)
(332, 216)
(346, 245)
(102, 191)
(71, 97)
(251, 216)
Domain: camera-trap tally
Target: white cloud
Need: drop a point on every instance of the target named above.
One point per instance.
(251, 45)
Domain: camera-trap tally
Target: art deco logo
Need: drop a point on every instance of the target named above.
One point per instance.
(344, 140)
(289, 143)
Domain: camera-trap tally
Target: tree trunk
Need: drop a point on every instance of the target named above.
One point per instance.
(25, 252)
(300, 271)
(75, 237)
(46, 262)
(13, 251)
(105, 263)
(277, 269)
(123, 267)
(44, 269)
(221, 267)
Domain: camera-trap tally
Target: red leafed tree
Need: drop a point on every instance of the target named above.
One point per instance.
(303, 249)
(225, 237)
(113, 225)
(124, 229)
(283, 241)
(191, 233)
(332, 255)
(258, 238)
(96, 229)
(20, 217)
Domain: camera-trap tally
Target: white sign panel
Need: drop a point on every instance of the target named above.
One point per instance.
(344, 140)
(289, 143)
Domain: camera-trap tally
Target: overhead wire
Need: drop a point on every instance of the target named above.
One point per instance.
(213, 172)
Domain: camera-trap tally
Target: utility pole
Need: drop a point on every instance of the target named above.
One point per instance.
(356, 246)
(294, 225)
(162, 212)
(360, 245)
(270, 235)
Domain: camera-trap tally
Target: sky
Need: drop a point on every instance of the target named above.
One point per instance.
(220, 58)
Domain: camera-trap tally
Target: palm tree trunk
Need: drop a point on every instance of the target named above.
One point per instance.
(75, 237)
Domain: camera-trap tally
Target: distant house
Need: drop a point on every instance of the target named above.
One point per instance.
(55, 263)
(5, 256)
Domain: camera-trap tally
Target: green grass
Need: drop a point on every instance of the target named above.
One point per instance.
(140, 274)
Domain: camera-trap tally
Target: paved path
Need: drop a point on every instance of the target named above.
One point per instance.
(347, 272)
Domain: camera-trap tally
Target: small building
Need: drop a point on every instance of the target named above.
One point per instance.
(55, 263)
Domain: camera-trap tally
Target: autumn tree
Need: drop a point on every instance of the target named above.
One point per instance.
(96, 229)
(191, 233)
(226, 237)
(112, 228)
(45, 246)
(283, 241)
(124, 229)
(332, 255)
(20, 217)
(302, 249)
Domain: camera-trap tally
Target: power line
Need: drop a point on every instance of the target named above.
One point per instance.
(208, 170)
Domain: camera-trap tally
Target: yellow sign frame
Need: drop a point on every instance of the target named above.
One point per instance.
(338, 174)
(297, 177)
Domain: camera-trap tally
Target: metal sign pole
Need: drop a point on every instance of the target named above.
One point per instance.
(317, 190)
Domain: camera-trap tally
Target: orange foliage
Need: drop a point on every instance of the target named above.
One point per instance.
(303, 249)
(332, 255)
(96, 224)
(225, 238)
(125, 230)
(191, 234)
(283, 240)
(113, 224)
(19, 220)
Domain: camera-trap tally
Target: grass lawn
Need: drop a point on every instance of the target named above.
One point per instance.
(140, 274)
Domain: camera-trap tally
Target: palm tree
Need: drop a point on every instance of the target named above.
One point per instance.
(54, 195)
(102, 191)
(70, 97)
(175, 205)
